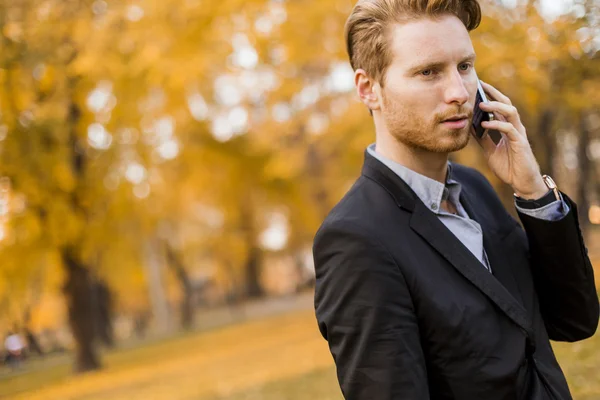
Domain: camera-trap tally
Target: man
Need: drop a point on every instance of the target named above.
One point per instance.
(14, 349)
(426, 288)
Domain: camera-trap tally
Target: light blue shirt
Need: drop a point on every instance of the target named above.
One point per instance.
(468, 231)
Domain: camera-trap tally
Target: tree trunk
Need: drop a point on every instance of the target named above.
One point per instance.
(548, 140)
(315, 171)
(79, 286)
(254, 288)
(141, 322)
(584, 173)
(104, 314)
(77, 291)
(187, 312)
(186, 306)
(154, 265)
(253, 264)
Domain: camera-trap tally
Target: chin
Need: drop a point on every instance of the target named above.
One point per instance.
(454, 141)
(458, 144)
(437, 141)
(450, 142)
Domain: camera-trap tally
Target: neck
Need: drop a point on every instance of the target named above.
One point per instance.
(427, 163)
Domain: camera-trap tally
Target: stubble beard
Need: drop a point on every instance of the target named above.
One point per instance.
(417, 133)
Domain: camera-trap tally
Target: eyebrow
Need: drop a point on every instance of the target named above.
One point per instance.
(437, 64)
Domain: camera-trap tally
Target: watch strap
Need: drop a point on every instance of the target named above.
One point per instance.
(546, 199)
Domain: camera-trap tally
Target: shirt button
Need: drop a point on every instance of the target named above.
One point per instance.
(434, 206)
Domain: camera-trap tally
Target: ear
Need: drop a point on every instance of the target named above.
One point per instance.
(367, 89)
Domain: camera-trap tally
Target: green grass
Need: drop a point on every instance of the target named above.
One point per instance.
(320, 384)
(224, 362)
(581, 364)
(275, 358)
(35, 374)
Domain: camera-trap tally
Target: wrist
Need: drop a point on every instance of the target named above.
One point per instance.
(535, 192)
(542, 202)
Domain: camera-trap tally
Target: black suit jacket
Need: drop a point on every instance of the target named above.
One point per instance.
(410, 313)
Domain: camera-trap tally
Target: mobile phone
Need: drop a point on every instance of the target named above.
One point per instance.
(478, 114)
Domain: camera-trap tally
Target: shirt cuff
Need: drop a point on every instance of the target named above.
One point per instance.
(550, 212)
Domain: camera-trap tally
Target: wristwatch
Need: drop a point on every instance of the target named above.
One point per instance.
(550, 197)
(552, 186)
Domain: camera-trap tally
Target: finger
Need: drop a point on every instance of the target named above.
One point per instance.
(504, 127)
(486, 143)
(495, 93)
(499, 117)
(510, 113)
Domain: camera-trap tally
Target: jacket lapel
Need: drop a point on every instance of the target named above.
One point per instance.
(427, 225)
(492, 237)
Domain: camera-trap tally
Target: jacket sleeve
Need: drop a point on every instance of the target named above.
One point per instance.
(364, 311)
(563, 276)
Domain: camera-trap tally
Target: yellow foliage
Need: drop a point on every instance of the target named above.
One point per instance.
(122, 118)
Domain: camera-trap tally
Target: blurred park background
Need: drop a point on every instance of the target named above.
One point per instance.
(164, 165)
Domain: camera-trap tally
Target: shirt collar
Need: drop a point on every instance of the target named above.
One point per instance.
(429, 191)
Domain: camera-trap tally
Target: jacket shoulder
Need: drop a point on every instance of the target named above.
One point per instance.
(346, 211)
(359, 209)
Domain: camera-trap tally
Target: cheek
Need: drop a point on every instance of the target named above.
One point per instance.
(471, 85)
(409, 99)
(414, 98)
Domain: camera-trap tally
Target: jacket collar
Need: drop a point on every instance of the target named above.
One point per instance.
(429, 191)
(375, 170)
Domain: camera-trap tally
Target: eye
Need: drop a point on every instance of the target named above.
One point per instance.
(464, 67)
(427, 72)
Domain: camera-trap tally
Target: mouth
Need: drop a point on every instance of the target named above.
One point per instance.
(456, 122)
(456, 118)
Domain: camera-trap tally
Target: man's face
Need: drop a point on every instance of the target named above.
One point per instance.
(430, 80)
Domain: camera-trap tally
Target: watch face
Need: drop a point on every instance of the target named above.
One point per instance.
(552, 186)
(549, 182)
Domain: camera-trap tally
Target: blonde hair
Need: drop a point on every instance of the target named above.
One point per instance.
(368, 26)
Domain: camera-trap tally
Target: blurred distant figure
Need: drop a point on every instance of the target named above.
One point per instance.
(141, 322)
(15, 347)
(33, 344)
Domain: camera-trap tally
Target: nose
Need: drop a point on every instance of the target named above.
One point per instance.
(456, 91)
